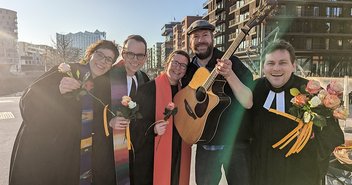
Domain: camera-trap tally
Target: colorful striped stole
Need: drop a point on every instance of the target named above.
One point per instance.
(86, 135)
(121, 154)
(163, 144)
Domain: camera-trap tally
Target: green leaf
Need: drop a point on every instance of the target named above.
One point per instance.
(294, 92)
(319, 121)
(77, 74)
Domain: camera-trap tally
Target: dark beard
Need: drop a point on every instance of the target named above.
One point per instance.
(206, 54)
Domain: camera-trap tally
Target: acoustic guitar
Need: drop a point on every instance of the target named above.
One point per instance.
(202, 102)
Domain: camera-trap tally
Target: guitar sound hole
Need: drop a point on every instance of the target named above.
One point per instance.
(201, 94)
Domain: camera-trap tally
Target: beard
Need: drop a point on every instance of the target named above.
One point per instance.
(206, 54)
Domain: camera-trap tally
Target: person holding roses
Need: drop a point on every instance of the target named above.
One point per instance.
(62, 139)
(160, 155)
(274, 96)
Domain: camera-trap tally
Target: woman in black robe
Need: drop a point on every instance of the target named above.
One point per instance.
(47, 146)
(143, 131)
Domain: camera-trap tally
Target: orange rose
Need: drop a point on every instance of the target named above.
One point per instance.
(340, 113)
(331, 101)
(125, 100)
(322, 94)
(335, 88)
(299, 100)
(313, 87)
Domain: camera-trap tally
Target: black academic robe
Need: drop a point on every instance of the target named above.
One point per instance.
(270, 166)
(142, 136)
(47, 147)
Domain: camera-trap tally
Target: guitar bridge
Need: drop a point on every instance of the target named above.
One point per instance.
(189, 110)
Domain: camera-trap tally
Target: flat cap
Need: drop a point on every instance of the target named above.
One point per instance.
(200, 25)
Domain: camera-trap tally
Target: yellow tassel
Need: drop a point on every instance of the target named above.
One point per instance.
(302, 136)
(307, 136)
(128, 137)
(105, 117)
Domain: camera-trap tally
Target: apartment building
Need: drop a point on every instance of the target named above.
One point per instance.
(320, 31)
(8, 38)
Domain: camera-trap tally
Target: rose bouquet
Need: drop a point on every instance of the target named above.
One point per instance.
(129, 110)
(312, 105)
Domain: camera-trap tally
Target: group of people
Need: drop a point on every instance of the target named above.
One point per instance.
(63, 138)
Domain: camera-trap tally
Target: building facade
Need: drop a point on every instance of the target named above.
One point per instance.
(81, 40)
(320, 31)
(8, 38)
(34, 57)
(167, 45)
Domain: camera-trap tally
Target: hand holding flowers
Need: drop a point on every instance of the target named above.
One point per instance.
(74, 83)
(311, 105)
(160, 126)
(129, 111)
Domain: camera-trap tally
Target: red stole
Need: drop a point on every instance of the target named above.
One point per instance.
(163, 154)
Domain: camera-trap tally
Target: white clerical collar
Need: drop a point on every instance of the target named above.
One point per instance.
(280, 100)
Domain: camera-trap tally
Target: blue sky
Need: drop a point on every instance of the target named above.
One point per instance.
(39, 20)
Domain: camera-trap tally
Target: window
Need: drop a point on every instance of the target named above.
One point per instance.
(339, 43)
(299, 11)
(283, 9)
(309, 43)
(327, 44)
(327, 11)
(316, 11)
(327, 27)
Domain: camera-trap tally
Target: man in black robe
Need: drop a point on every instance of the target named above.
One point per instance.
(269, 165)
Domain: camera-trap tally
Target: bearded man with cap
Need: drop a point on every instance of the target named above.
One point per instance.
(230, 145)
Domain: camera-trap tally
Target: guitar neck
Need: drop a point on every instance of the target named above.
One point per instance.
(229, 52)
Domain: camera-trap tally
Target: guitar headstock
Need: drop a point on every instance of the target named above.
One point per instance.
(262, 12)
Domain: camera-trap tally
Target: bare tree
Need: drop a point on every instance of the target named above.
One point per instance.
(65, 51)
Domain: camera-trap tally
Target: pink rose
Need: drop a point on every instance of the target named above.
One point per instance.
(170, 106)
(340, 113)
(335, 88)
(313, 87)
(299, 100)
(331, 101)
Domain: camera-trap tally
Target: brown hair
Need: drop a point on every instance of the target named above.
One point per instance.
(101, 44)
(136, 38)
(281, 45)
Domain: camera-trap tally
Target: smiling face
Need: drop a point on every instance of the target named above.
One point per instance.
(176, 68)
(278, 67)
(132, 54)
(201, 43)
(101, 61)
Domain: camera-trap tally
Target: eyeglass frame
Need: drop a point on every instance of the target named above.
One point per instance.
(100, 56)
(175, 63)
(135, 55)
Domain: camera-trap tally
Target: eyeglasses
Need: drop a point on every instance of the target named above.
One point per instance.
(100, 56)
(174, 63)
(131, 55)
